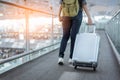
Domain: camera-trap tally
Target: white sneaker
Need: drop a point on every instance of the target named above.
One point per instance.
(70, 61)
(60, 61)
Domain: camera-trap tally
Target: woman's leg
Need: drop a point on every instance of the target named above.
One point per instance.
(66, 33)
(76, 23)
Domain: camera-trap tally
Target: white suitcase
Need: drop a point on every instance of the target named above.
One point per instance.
(86, 50)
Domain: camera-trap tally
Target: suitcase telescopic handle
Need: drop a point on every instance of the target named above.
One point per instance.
(88, 25)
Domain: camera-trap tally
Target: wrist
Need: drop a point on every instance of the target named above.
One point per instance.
(89, 17)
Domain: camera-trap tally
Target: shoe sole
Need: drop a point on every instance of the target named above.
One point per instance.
(60, 63)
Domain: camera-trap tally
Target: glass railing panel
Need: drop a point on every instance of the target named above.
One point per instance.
(44, 33)
(26, 57)
(43, 29)
(113, 29)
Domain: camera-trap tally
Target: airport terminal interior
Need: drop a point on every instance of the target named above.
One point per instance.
(31, 34)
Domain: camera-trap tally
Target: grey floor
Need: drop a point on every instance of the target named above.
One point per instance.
(46, 67)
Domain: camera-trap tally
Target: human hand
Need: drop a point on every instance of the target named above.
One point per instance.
(90, 21)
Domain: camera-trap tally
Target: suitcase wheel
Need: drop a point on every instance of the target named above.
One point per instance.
(94, 68)
(75, 67)
(94, 65)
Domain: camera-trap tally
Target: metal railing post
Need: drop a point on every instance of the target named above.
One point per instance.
(27, 29)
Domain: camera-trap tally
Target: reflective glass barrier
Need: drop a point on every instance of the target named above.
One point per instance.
(113, 29)
(27, 31)
(14, 61)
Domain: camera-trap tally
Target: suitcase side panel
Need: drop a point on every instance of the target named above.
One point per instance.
(86, 48)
